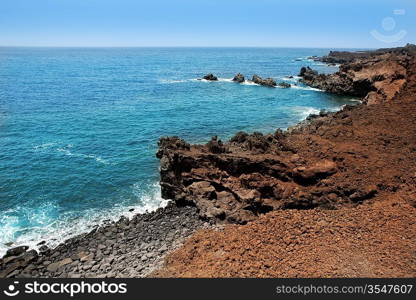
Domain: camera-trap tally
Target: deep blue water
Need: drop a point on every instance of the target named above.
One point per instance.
(79, 127)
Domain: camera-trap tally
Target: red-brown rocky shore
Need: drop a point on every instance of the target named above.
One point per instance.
(334, 196)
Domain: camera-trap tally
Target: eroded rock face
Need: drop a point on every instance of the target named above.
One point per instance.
(249, 175)
(331, 160)
(374, 76)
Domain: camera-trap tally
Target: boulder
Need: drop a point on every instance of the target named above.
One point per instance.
(307, 73)
(239, 78)
(12, 263)
(16, 251)
(53, 267)
(315, 172)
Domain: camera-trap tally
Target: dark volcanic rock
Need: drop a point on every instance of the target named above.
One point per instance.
(239, 78)
(245, 177)
(16, 251)
(266, 82)
(210, 77)
(307, 73)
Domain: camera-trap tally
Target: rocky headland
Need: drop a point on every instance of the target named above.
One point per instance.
(334, 196)
(342, 57)
(376, 76)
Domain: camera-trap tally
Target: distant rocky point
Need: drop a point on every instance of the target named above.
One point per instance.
(341, 57)
(376, 76)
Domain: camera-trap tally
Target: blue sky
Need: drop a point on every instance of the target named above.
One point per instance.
(284, 23)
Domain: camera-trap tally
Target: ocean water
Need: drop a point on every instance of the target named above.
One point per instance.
(79, 126)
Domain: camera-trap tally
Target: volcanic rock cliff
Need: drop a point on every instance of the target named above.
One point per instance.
(331, 160)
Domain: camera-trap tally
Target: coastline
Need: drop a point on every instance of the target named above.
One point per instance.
(358, 222)
(335, 179)
(106, 251)
(127, 248)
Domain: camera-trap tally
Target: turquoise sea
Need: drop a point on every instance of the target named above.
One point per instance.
(79, 126)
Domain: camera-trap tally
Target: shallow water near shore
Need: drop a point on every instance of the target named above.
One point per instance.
(79, 126)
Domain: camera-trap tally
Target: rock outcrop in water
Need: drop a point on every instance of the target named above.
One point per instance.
(270, 82)
(239, 78)
(379, 77)
(210, 77)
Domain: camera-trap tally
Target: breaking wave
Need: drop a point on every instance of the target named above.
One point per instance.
(53, 227)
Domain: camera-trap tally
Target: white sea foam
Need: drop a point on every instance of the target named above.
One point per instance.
(324, 64)
(249, 82)
(91, 156)
(55, 227)
(66, 151)
(293, 79)
(305, 88)
(302, 59)
(44, 146)
(225, 79)
(172, 81)
(304, 111)
(213, 81)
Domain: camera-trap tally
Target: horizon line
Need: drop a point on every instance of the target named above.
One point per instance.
(293, 47)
